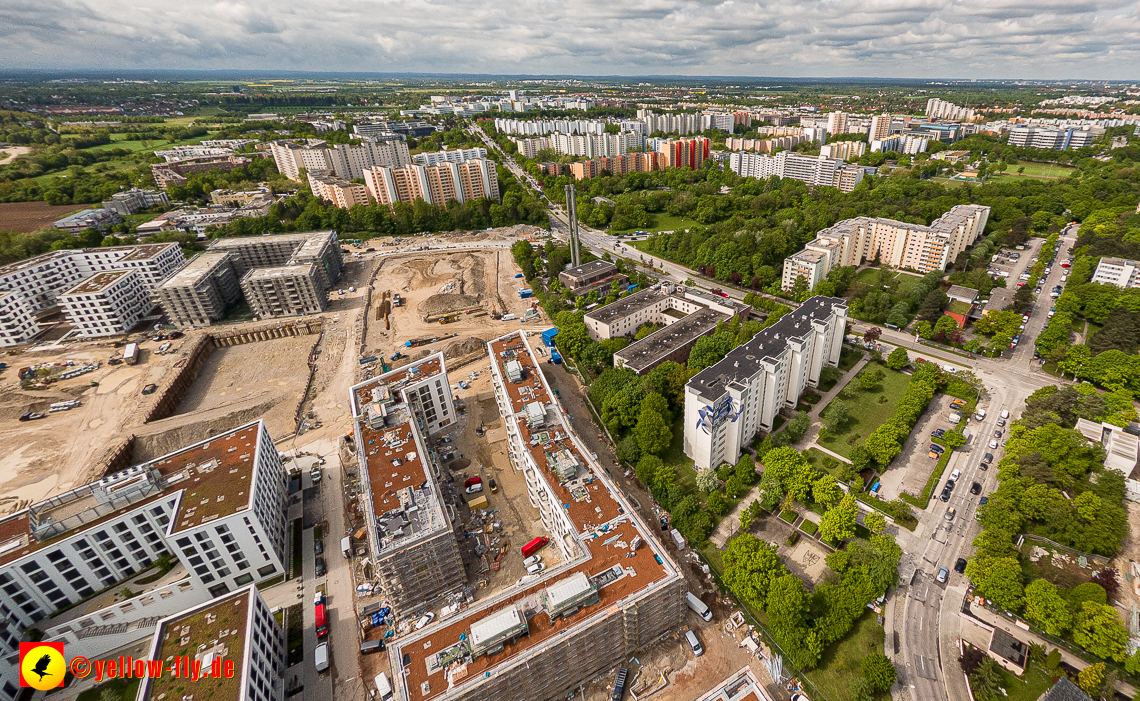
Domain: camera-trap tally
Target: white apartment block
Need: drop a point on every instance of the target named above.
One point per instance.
(37, 282)
(940, 109)
(671, 123)
(530, 147)
(538, 127)
(596, 145)
(1117, 271)
(727, 403)
(238, 628)
(107, 304)
(817, 170)
(1052, 138)
(457, 155)
(837, 123)
(895, 243)
(625, 316)
(843, 150)
(344, 160)
(217, 506)
(130, 201)
(880, 127)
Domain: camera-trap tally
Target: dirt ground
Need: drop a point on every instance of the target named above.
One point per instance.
(13, 152)
(274, 369)
(1126, 559)
(26, 217)
(54, 454)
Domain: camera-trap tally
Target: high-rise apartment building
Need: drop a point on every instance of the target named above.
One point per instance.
(671, 122)
(843, 150)
(469, 180)
(287, 290)
(817, 170)
(940, 109)
(895, 243)
(217, 506)
(340, 192)
(684, 153)
(455, 155)
(880, 127)
(1053, 138)
(199, 294)
(837, 123)
(617, 165)
(346, 161)
(727, 403)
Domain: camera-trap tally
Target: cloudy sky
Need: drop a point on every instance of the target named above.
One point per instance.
(875, 38)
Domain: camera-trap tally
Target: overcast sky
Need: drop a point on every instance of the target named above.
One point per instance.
(873, 38)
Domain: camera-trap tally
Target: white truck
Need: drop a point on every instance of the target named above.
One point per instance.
(698, 606)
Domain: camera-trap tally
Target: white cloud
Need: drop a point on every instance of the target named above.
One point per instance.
(889, 38)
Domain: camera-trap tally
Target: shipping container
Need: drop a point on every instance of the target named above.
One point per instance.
(131, 353)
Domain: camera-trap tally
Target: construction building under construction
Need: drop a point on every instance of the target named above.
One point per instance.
(410, 532)
(614, 591)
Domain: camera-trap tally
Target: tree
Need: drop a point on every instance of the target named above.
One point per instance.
(898, 359)
(837, 415)
(970, 659)
(876, 522)
(572, 340)
(716, 503)
(860, 690)
(879, 671)
(867, 380)
(732, 487)
(750, 567)
(1045, 608)
(954, 439)
(707, 481)
(1099, 630)
(997, 578)
(883, 446)
(653, 434)
(1090, 678)
(628, 451)
(798, 426)
(1106, 578)
(788, 605)
(986, 680)
(838, 522)
(745, 469)
(872, 334)
(825, 491)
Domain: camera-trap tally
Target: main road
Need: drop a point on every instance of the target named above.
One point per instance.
(923, 613)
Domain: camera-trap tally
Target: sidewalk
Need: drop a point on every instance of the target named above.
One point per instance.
(997, 621)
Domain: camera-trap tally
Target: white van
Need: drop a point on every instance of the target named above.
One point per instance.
(698, 606)
(694, 643)
(321, 657)
(955, 474)
(383, 688)
(1004, 413)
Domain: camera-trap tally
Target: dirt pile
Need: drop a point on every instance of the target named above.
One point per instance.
(446, 303)
(13, 403)
(465, 346)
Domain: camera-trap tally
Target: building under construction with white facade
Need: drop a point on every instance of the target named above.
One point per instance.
(410, 526)
(727, 403)
(614, 591)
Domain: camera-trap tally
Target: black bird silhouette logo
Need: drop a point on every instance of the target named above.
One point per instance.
(41, 667)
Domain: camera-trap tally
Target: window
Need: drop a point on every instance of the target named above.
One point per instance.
(243, 579)
(266, 571)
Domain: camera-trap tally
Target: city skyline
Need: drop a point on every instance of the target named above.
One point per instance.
(891, 39)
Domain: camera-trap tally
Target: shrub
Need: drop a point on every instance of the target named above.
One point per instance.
(809, 527)
(793, 538)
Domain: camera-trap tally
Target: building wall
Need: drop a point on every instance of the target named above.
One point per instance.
(113, 310)
(284, 291)
(202, 300)
(1118, 272)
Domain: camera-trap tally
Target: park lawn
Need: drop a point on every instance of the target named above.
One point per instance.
(820, 460)
(848, 357)
(947, 182)
(130, 145)
(841, 660)
(662, 222)
(1040, 170)
(867, 413)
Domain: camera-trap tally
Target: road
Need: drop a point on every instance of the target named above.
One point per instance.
(924, 612)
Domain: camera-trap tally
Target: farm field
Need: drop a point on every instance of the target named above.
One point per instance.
(26, 217)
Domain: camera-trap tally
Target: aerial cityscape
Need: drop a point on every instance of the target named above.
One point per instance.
(525, 354)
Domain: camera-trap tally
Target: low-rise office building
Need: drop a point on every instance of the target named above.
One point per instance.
(236, 629)
(107, 303)
(76, 224)
(728, 403)
(1117, 271)
(587, 274)
(217, 506)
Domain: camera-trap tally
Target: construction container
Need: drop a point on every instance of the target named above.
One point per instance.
(479, 502)
(131, 353)
(548, 337)
(523, 294)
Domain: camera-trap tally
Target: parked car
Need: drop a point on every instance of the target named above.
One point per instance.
(322, 569)
(532, 560)
(535, 568)
(976, 488)
(424, 620)
(960, 565)
(934, 447)
(943, 574)
(997, 433)
(1001, 422)
(477, 487)
(988, 458)
(993, 445)
(950, 484)
(945, 496)
(494, 486)
(318, 547)
(938, 433)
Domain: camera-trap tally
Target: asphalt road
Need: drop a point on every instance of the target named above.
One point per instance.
(925, 621)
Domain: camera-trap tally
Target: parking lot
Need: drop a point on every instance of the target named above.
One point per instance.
(911, 469)
(1011, 264)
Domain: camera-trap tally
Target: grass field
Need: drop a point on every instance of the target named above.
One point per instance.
(900, 284)
(1029, 687)
(1039, 170)
(126, 689)
(947, 182)
(841, 661)
(867, 411)
(663, 222)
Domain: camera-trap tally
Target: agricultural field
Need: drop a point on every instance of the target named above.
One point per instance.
(26, 217)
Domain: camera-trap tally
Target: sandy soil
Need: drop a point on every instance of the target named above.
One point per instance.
(275, 369)
(13, 153)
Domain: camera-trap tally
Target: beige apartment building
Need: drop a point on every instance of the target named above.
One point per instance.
(346, 161)
(895, 243)
(340, 192)
(470, 180)
(198, 294)
(288, 290)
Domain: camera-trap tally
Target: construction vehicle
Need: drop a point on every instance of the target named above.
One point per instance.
(396, 356)
(32, 416)
(451, 318)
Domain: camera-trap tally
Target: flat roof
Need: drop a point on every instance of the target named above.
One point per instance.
(605, 528)
(280, 271)
(959, 291)
(147, 251)
(594, 267)
(200, 265)
(627, 306)
(662, 342)
(214, 474)
(744, 361)
(219, 628)
(98, 282)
